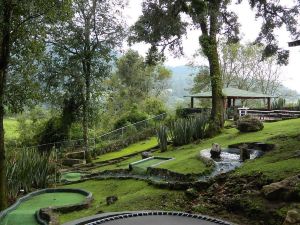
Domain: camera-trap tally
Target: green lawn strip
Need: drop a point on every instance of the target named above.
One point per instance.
(134, 148)
(132, 195)
(11, 127)
(24, 214)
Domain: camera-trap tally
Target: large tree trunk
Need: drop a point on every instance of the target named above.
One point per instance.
(4, 59)
(208, 42)
(86, 102)
(217, 112)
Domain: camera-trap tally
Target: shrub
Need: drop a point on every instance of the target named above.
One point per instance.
(154, 106)
(162, 138)
(53, 132)
(249, 124)
(133, 116)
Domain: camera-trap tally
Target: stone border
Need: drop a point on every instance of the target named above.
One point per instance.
(43, 218)
(105, 217)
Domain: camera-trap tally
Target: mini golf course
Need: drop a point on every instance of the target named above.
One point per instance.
(23, 211)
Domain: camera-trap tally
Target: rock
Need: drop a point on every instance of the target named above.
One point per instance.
(286, 190)
(111, 199)
(292, 217)
(215, 151)
(146, 155)
(244, 153)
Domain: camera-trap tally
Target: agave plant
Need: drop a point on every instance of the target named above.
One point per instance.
(184, 131)
(162, 137)
(181, 131)
(200, 124)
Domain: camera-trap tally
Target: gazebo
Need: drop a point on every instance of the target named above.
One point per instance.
(230, 96)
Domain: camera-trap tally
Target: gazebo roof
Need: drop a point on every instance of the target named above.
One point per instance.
(234, 93)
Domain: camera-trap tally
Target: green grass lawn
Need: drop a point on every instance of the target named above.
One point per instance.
(186, 160)
(132, 195)
(137, 147)
(11, 127)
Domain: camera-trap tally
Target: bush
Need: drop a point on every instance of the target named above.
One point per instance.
(249, 124)
(154, 106)
(133, 116)
(53, 132)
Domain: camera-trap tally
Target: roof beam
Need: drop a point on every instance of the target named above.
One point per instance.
(294, 43)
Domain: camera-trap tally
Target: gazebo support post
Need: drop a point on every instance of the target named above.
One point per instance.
(228, 102)
(233, 102)
(269, 103)
(192, 102)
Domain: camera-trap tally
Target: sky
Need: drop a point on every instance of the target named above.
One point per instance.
(290, 76)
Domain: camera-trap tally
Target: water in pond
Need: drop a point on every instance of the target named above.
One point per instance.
(229, 160)
(24, 213)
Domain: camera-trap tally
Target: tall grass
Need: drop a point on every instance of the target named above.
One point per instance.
(27, 169)
(184, 131)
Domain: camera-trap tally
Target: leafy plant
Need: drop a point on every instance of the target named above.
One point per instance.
(27, 169)
(200, 124)
(181, 132)
(162, 137)
(184, 131)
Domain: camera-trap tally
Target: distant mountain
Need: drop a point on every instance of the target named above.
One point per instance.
(180, 83)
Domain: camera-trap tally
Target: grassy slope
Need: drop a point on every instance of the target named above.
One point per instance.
(11, 129)
(132, 195)
(137, 147)
(186, 160)
(135, 195)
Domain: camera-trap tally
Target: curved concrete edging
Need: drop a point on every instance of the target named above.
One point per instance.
(105, 217)
(89, 198)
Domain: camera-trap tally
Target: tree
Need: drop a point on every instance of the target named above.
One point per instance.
(22, 25)
(162, 26)
(86, 44)
(135, 82)
(242, 67)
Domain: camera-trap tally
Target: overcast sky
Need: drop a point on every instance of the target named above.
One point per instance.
(249, 28)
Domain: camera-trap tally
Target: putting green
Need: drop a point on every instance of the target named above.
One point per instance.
(71, 176)
(24, 213)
